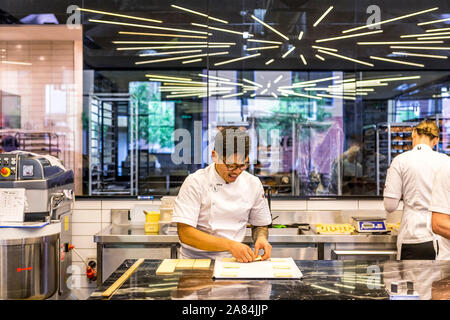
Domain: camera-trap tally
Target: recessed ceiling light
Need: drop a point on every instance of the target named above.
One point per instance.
(145, 26)
(163, 35)
(262, 48)
(320, 57)
(420, 48)
(324, 48)
(119, 15)
(397, 61)
(303, 59)
(168, 52)
(237, 59)
(182, 58)
(287, 52)
(346, 58)
(419, 55)
(434, 21)
(198, 13)
(271, 28)
(191, 61)
(322, 16)
(221, 29)
(351, 36)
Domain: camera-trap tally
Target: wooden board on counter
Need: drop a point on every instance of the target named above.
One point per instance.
(168, 266)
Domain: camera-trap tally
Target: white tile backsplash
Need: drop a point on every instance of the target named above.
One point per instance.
(78, 268)
(370, 204)
(85, 253)
(85, 229)
(289, 205)
(84, 242)
(106, 216)
(81, 281)
(88, 204)
(330, 205)
(87, 216)
(123, 204)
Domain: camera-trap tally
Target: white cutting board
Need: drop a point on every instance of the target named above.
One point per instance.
(275, 268)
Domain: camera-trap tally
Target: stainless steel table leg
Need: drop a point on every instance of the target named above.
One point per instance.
(173, 252)
(99, 264)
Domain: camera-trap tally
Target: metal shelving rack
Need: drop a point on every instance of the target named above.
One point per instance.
(39, 142)
(443, 124)
(444, 128)
(392, 139)
(45, 143)
(370, 154)
(103, 144)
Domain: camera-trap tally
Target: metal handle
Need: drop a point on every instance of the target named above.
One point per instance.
(364, 252)
(58, 196)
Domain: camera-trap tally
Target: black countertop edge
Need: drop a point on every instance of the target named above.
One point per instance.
(274, 198)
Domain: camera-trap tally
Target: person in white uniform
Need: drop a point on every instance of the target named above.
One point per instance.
(215, 204)
(440, 208)
(410, 176)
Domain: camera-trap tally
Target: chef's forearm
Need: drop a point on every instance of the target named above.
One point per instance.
(440, 223)
(260, 232)
(201, 240)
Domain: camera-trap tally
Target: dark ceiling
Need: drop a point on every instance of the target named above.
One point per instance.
(287, 16)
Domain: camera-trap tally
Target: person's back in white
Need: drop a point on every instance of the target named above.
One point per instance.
(410, 176)
(440, 208)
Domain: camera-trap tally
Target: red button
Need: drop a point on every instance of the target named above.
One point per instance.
(4, 171)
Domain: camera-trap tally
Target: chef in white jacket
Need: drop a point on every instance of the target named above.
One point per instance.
(215, 204)
(410, 176)
(440, 208)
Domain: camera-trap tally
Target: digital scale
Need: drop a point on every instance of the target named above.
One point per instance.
(369, 224)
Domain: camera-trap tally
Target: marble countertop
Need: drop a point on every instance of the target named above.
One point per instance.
(322, 279)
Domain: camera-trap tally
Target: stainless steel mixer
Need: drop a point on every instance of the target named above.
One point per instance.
(34, 260)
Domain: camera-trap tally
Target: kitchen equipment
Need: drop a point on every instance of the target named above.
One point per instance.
(151, 221)
(28, 267)
(369, 224)
(35, 256)
(166, 208)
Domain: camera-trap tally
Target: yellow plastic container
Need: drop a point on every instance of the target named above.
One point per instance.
(151, 221)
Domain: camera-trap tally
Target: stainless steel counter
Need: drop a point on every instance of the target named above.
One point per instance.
(136, 234)
(116, 243)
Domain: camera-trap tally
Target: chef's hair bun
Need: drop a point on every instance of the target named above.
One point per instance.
(428, 128)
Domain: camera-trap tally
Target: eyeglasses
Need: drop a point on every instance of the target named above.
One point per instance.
(232, 167)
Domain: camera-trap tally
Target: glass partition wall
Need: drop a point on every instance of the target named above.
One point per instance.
(329, 92)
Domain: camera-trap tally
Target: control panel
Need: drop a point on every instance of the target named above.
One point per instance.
(8, 167)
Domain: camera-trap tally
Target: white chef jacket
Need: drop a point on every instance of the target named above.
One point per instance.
(440, 202)
(206, 202)
(411, 175)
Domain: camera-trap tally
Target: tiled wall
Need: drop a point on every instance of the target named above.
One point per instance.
(91, 216)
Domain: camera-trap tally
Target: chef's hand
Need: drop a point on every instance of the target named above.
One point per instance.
(241, 252)
(263, 243)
